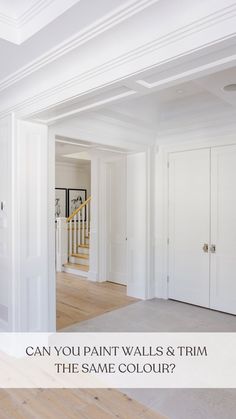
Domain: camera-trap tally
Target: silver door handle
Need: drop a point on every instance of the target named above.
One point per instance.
(205, 248)
(213, 248)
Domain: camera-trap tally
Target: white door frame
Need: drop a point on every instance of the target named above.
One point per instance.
(50, 322)
(162, 206)
(98, 268)
(107, 214)
(51, 232)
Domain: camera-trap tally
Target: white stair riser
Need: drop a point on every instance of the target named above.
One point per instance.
(80, 261)
(83, 250)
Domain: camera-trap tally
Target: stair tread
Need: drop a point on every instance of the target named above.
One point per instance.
(77, 266)
(80, 255)
(83, 246)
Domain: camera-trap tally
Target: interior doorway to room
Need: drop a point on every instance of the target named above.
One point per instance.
(72, 207)
(90, 227)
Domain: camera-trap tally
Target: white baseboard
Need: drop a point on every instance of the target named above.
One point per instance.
(76, 272)
(92, 276)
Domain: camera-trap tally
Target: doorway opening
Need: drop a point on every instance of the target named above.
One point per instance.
(72, 207)
(91, 237)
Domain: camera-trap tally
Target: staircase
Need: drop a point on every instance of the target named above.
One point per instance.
(78, 227)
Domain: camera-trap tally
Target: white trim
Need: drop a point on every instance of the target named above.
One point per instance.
(92, 276)
(7, 20)
(87, 107)
(149, 49)
(101, 25)
(46, 99)
(51, 234)
(38, 15)
(188, 75)
(75, 164)
(73, 143)
(32, 11)
(76, 272)
(150, 222)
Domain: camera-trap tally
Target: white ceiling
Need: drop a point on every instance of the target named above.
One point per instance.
(78, 152)
(146, 110)
(189, 105)
(216, 82)
(200, 100)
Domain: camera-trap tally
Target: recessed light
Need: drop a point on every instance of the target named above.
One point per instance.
(230, 87)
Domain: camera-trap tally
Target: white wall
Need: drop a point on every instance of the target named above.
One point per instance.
(6, 210)
(73, 176)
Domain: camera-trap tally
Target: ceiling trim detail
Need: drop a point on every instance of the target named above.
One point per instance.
(18, 29)
(110, 20)
(8, 20)
(30, 13)
(43, 100)
(87, 107)
(62, 91)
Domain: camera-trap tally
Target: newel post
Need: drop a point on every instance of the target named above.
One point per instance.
(61, 243)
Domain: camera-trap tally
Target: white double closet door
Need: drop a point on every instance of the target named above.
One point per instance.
(202, 227)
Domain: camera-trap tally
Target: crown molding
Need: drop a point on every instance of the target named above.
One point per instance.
(107, 22)
(46, 99)
(8, 20)
(110, 20)
(32, 11)
(61, 92)
(20, 28)
(87, 107)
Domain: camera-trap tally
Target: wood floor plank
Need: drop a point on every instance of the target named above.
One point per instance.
(79, 299)
(71, 404)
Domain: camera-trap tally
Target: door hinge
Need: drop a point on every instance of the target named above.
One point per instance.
(168, 241)
(168, 278)
(168, 164)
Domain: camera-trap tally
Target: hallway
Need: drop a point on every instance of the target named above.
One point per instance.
(79, 299)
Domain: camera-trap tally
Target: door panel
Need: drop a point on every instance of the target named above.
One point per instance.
(32, 226)
(223, 229)
(189, 226)
(116, 221)
(137, 197)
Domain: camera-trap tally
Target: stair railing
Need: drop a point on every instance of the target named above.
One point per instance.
(79, 227)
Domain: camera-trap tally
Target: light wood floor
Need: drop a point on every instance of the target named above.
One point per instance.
(79, 299)
(71, 404)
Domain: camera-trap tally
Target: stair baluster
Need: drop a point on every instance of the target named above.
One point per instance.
(78, 235)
